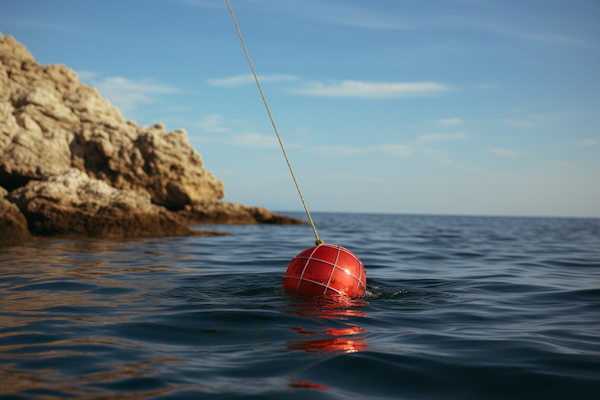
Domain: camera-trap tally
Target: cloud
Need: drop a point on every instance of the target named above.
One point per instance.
(211, 124)
(244, 139)
(302, 130)
(239, 80)
(448, 121)
(540, 37)
(534, 120)
(85, 75)
(505, 152)
(126, 93)
(220, 134)
(434, 137)
(347, 88)
(362, 89)
(587, 142)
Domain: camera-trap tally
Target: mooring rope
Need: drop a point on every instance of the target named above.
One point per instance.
(318, 241)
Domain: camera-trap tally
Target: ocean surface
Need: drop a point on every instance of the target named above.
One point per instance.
(457, 308)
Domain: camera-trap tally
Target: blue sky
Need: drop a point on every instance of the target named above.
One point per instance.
(468, 107)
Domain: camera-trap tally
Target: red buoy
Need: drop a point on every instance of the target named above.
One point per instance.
(326, 269)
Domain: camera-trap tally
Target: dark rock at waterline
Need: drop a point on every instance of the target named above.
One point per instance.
(74, 205)
(213, 211)
(13, 225)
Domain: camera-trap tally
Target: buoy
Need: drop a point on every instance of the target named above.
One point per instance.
(326, 269)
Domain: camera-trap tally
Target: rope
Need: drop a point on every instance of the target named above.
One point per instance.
(318, 241)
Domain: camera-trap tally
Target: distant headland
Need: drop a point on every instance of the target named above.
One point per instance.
(72, 166)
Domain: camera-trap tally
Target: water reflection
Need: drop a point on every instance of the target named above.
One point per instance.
(329, 308)
(38, 381)
(307, 384)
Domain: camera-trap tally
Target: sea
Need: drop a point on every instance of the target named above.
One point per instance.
(457, 307)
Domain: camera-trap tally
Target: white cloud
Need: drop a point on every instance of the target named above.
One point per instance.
(449, 121)
(302, 130)
(434, 137)
(505, 152)
(211, 124)
(220, 133)
(534, 120)
(239, 80)
(85, 75)
(588, 142)
(541, 37)
(347, 88)
(245, 139)
(126, 93)
(371, 89)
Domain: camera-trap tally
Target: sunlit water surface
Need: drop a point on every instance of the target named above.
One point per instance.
(459, 308)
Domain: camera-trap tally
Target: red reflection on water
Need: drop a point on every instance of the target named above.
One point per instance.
(303, 331)
(329, 308)
(344, 331)
(307, 384)
(334, 344)
(326, 307)
(354, 330)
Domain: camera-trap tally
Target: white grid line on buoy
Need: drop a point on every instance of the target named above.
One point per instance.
(359, 276)
(335, 265)
(345, 250)
(304, 269)
(315, 282)
(330, 263)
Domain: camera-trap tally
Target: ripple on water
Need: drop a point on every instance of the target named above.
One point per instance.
(457, 307)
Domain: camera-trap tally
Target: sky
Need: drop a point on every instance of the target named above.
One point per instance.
(467, 107)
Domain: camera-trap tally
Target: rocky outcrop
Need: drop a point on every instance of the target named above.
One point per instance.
(50, 122)
(213, 211)
(75, 167)
(13, 225)
(73, 204)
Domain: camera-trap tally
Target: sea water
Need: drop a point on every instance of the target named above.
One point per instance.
(458, 308)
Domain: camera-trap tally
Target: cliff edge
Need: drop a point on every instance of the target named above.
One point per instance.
(59, 135)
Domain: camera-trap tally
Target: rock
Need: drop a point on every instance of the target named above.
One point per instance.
(213, 211)
(76, 167)
(13, 225)
(74, 205)
(50, 122)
